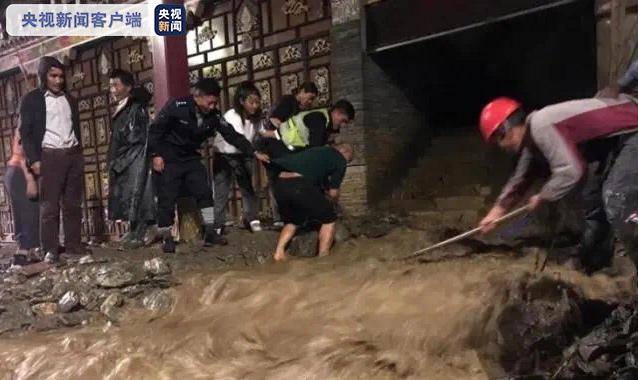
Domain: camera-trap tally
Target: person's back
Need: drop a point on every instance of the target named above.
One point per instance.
(586, 119)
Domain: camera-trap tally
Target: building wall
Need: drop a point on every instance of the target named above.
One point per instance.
(277, 44)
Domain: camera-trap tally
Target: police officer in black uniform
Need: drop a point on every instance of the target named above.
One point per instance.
(175, 136)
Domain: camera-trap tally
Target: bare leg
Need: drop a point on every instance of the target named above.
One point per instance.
(287, 233)
(326, 237)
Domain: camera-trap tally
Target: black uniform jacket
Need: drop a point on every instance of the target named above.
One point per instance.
(176, 135)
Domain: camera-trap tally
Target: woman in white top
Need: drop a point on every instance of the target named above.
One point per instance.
(229, 161)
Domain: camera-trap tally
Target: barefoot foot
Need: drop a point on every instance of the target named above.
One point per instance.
(280, 256)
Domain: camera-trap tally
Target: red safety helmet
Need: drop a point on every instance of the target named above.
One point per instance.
(495, 113)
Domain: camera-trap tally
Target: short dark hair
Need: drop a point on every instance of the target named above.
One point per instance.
(344, 106)
(309, 86)
(124, 76)
(208, 86)
(243, 91)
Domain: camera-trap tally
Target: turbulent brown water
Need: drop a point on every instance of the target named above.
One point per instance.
(353, 315)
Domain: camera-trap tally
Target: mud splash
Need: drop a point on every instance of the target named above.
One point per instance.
(349, 316)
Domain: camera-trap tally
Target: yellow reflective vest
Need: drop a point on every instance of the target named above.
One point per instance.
(294, 132)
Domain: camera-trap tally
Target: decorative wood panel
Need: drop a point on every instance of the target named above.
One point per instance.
(277, 44)
(12, 87)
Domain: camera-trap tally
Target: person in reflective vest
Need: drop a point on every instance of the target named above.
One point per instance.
(315, 127)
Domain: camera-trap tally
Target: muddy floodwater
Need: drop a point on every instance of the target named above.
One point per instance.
(354, 315)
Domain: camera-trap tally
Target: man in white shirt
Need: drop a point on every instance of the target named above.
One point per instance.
(49, 125)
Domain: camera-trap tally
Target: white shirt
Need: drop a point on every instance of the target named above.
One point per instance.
(247, 128)
(120, 105)
(59, 126)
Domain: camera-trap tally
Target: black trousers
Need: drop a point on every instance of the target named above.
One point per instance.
(610, 195)
(301, 202)
(26, 213)
(192, 177)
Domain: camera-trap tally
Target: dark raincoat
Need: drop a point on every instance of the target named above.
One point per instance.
(131, 194)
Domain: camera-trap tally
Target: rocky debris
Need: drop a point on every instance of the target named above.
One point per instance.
(156, 266)
(88, 259)
(372, 226)
(304, 244)
(74, 293)
(45, 308)
(110, 305)
(15, 316)
(115, 276)
(68, 301)
(158, 300)
(342, 233)
(609, 351)
(527, 330)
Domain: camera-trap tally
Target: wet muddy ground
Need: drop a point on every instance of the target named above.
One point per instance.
(231, 313)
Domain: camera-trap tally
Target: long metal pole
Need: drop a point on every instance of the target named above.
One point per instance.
(464, 235)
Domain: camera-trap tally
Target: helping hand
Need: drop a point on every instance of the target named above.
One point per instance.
(262, 157)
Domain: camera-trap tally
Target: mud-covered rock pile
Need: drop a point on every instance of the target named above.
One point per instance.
(80, 291)
(609, 351)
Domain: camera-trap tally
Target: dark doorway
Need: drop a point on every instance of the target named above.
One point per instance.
(541, 58)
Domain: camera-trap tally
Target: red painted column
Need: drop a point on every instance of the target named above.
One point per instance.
(170, 67)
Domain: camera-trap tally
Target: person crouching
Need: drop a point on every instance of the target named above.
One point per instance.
(299, 191)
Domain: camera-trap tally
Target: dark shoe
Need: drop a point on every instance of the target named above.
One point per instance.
(52, 258)
(169, 245)
(79, 252)
(214, 237)
(132, 244)
(19, 260)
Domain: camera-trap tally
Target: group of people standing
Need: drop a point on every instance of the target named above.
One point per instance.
(152, 163)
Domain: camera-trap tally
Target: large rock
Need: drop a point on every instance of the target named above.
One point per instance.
(15, 316)
(156, 266)
(158, 300)
(304, 245)
(45, 308)
(110, 305)
(610, 351)
(527, 330)
(69, 301)
(116, 275)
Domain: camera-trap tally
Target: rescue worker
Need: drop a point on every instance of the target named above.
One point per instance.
(562, 139)
(316, 127)
(174, 139)
(290, 105)
(311, 128)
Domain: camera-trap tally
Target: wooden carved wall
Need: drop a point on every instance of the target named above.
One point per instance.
(12, 87)
(278, 44)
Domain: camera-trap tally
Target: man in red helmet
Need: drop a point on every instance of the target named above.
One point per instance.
(563, 139)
